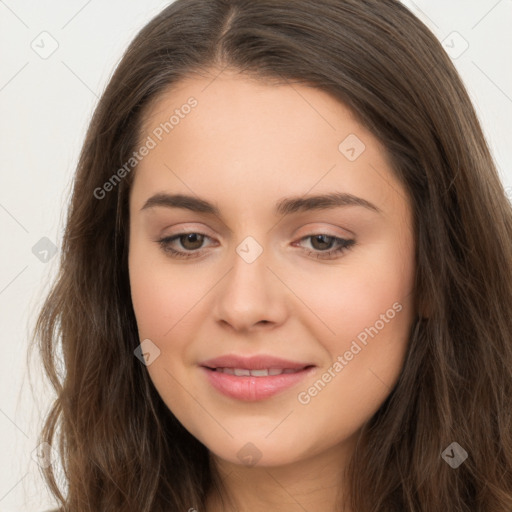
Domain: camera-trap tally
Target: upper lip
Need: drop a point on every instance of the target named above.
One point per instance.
(259, 362)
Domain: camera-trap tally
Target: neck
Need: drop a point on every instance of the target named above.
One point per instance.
(315, 483)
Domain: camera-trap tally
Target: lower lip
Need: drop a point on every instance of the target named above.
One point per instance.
(251, 388)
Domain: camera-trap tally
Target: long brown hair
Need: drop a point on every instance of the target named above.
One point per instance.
(121, 448)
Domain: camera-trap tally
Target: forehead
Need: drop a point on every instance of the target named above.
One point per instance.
(258, 138)
(231, 96)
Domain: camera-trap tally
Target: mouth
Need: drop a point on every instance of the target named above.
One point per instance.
(251, 385)
(265, 372)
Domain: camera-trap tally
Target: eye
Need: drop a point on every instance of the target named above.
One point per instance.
(323, 240)
(192, 243)
(189, 241)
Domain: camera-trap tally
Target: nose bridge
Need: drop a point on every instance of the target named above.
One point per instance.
(248, 295)
(249, 250)
(248, 277)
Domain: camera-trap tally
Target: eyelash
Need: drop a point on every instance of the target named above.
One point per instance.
(345, 245)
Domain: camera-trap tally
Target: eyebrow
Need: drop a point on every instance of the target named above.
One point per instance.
(285, 206)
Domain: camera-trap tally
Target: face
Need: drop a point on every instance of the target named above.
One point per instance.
(248, 263)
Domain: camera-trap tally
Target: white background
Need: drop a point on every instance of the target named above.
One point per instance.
(46, 105)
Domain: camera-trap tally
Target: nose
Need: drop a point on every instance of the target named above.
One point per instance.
(251, 295)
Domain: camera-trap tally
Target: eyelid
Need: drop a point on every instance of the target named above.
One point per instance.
(186, 228)
(315, 228)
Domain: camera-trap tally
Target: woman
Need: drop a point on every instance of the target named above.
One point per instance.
(216, 355)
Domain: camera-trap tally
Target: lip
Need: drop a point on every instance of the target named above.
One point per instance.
(258, 362)
(250, 388)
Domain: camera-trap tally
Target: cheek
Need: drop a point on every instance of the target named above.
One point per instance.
(167, 301)
(366, 312)
(363, 370)
(162, 295)
(163, 301)
(152, 300)
(347, 298)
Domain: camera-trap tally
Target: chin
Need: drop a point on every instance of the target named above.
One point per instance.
(257, 451)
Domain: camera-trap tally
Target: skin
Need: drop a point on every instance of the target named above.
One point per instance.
(245, 146)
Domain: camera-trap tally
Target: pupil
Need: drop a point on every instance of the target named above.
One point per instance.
(322, 237)
(190, 238)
